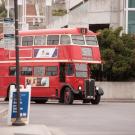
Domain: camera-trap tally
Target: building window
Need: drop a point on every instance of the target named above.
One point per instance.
(131, 3)
(131, 21)
(96, 27)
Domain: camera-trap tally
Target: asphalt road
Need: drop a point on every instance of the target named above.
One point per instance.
(85, 119)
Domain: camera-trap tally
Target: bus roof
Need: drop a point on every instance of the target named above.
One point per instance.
(56, 31)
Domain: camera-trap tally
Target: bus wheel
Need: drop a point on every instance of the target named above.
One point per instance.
(41, 101)
(68, 96)
(96, 100)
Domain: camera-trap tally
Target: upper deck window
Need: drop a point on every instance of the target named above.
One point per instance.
(65, 39)
(40, 40)
(91, 40)
(78, 39)
(53, 40)
(27, 41)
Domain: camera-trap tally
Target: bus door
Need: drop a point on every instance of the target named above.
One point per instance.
(62, 72)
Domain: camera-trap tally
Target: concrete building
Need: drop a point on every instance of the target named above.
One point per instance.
(98, 14)
(31, 13)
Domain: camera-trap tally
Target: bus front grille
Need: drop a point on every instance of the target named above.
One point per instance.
(89, 88)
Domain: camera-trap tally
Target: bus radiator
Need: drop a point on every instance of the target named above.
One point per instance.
(89, 88)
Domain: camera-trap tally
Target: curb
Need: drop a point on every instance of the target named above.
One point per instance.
(118, 100)
(26, 130)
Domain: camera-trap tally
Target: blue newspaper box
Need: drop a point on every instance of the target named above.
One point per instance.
(25, 95)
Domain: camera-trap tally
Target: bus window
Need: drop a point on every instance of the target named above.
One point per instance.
(78, 39)
(69, 69)
(65, 39)
(53, 40)
(27, 41)
(39, 71)
(12, 71)
(91, 40)
(26, 71)
(81, 70)
(51, 70)
(40, 40)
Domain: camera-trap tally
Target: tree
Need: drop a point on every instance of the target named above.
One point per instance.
(118, 53)
(3, 11)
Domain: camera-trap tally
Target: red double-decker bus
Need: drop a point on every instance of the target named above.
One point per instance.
(56, 63)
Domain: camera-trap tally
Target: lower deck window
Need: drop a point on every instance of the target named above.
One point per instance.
(12, 71)
(51, 70)
(69, 69)
(39, 71)
(26, 71)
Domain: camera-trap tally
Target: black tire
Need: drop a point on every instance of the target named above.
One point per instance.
(68, 96)
(41, 101)
(96, 100)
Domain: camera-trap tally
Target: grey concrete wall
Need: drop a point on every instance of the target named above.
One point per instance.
(92, 12)
(118, 90)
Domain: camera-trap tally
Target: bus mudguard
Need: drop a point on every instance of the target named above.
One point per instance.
(99, 91)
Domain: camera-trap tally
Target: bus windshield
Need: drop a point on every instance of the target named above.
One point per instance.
(81, 70)
(91, 40)
(78, 39)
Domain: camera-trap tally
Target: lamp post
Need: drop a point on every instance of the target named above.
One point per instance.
(18, 121)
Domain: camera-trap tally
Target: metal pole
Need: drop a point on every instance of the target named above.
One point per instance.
(18, 121)
(8, 9)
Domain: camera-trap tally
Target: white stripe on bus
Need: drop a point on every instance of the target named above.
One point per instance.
(26, 61)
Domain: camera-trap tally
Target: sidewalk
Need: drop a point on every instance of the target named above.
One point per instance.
(3, 112)
(24, 130)
(29, 129)
(20, 130)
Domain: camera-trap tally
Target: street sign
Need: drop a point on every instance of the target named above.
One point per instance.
(24, 104)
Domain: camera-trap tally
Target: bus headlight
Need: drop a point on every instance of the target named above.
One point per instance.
(97, 88)
(80, 88)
